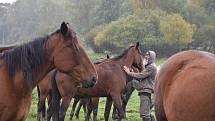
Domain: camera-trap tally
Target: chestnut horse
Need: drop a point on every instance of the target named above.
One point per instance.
(92, 104)
(44, 89)
(66, 92)
(185, 87)
(112, 79)
(22, 67)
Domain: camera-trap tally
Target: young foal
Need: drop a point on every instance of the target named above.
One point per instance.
(22, 67)
(92, 105)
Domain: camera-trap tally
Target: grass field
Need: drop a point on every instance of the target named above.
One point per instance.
(132, 109)
(132, 113)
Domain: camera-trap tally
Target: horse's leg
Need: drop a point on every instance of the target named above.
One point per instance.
(76, 100)
(55, 100)
(53, 107)
(118, 104)
(49, 98)
(78, 110)
(38, 105)
(44, 111)
(95, 108)
(64, 106)
(41, 106)
(107, 108)
(126, 97)
(84, 103)
(114, 113)
(89, 109)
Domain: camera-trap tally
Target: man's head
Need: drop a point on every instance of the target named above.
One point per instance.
(150, 57)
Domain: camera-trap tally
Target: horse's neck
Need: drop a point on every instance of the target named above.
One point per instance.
(126, 60)
(47, 65)
(42, 72)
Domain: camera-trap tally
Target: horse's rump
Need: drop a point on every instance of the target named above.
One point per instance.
(185, 87)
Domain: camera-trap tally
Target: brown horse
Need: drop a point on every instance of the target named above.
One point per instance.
(44, 89)
(111, 82)
(112, 79)
(92, 105)
(185, 87)
(22, 67)
(64, 84)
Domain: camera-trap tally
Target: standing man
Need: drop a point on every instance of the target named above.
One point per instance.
(144, 83)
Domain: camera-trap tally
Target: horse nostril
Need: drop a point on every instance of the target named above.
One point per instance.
(94, 79)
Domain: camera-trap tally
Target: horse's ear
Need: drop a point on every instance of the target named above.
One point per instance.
(137, 45)
(63, 28)
(108, 56)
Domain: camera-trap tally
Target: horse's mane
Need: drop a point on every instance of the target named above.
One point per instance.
(123, 53)
(26, 58)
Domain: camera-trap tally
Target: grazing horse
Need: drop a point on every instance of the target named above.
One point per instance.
(22, 67)
(185, 87)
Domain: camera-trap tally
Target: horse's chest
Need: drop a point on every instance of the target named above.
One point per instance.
(24, 108)
(15, 109)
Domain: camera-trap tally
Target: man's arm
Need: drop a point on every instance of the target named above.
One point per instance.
(142, 75)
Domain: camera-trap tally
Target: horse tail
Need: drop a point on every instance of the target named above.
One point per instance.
(55, 95)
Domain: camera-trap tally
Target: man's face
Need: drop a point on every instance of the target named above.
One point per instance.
(147, 56)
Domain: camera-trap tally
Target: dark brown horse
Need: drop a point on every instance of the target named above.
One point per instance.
(22, 67)
(185, 87)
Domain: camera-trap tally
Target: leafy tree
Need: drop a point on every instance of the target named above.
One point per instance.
(176, 30)
(83, 14)
(130, 29)
(209, 6)
(173, 6)
(204, 38)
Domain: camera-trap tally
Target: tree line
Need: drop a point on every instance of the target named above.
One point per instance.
(165, 26)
